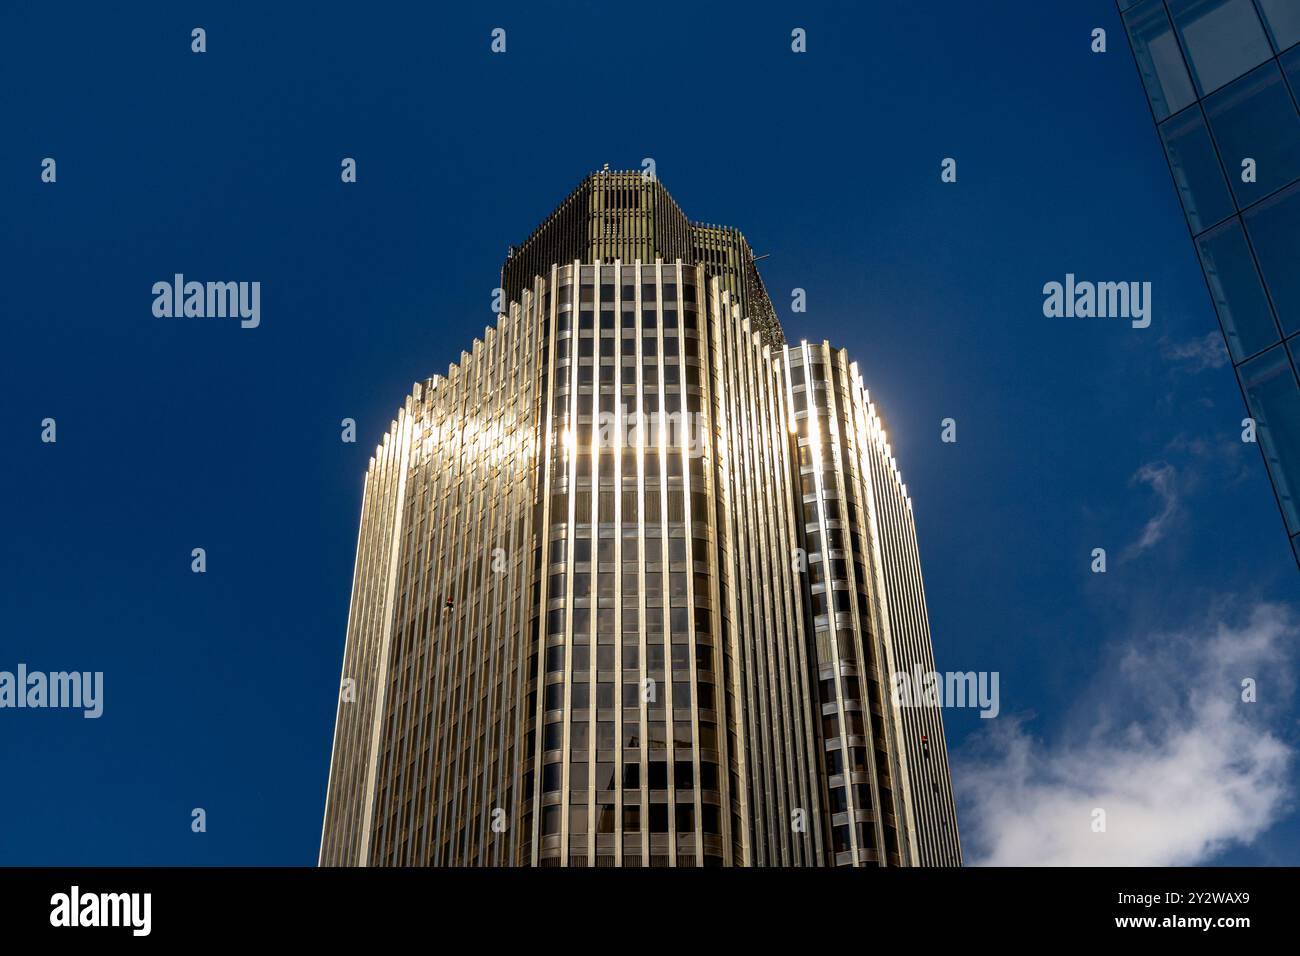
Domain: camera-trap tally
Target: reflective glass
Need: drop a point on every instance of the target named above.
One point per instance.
(1159, 60)
(1255, 118)
(1291, 67)
(1238, 295)
(1274, 229)
(1283, 20)
(1223, 39)
(1197, 173)
(1274, 399)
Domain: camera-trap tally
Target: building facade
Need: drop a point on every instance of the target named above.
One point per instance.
(631, 581)
(1223, 81)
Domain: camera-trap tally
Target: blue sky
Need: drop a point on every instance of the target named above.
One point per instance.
(175, 434)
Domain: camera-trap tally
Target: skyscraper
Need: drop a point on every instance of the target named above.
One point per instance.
(1223, 79)
(631, 581)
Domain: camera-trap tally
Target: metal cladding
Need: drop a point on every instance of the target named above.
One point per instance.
(629, 581)
(628, 216)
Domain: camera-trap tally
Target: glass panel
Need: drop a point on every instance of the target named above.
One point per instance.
(1197, 173)
(1283, 19)
(1159, 60)
(1223, 39)
(1291, 67)
(1274, 400)
(1238, 295)
(1255, 118)
(1274, 228)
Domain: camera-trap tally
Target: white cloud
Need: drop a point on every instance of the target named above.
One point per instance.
(1161, 477)
(1199, 354)
(1183, 768)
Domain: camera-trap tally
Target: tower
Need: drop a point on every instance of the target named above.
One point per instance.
(631, 581)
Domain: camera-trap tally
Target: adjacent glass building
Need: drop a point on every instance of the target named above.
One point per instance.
(631, 581)
(1223, 81)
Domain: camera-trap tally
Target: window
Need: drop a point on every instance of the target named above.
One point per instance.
(708, 776)
(1223, 39)
(553, 736)
(1274, 228)
(1238, 296)
(683, 775)
(1274, 399)
(1255, 118)
(578, 772)
(841, 838)
(830, 726)
(1159, 60)
(838, 801)
(658, 775)
(1291, 67)
(834, 763)
(1196, 169)
(681, 694)
(708, 737)
(1283, 20)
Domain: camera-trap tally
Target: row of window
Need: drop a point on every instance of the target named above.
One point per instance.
(1191, 48)
(656, 736)
(580, 694)
(606, 780)
(656, 817)
(1223, 80)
